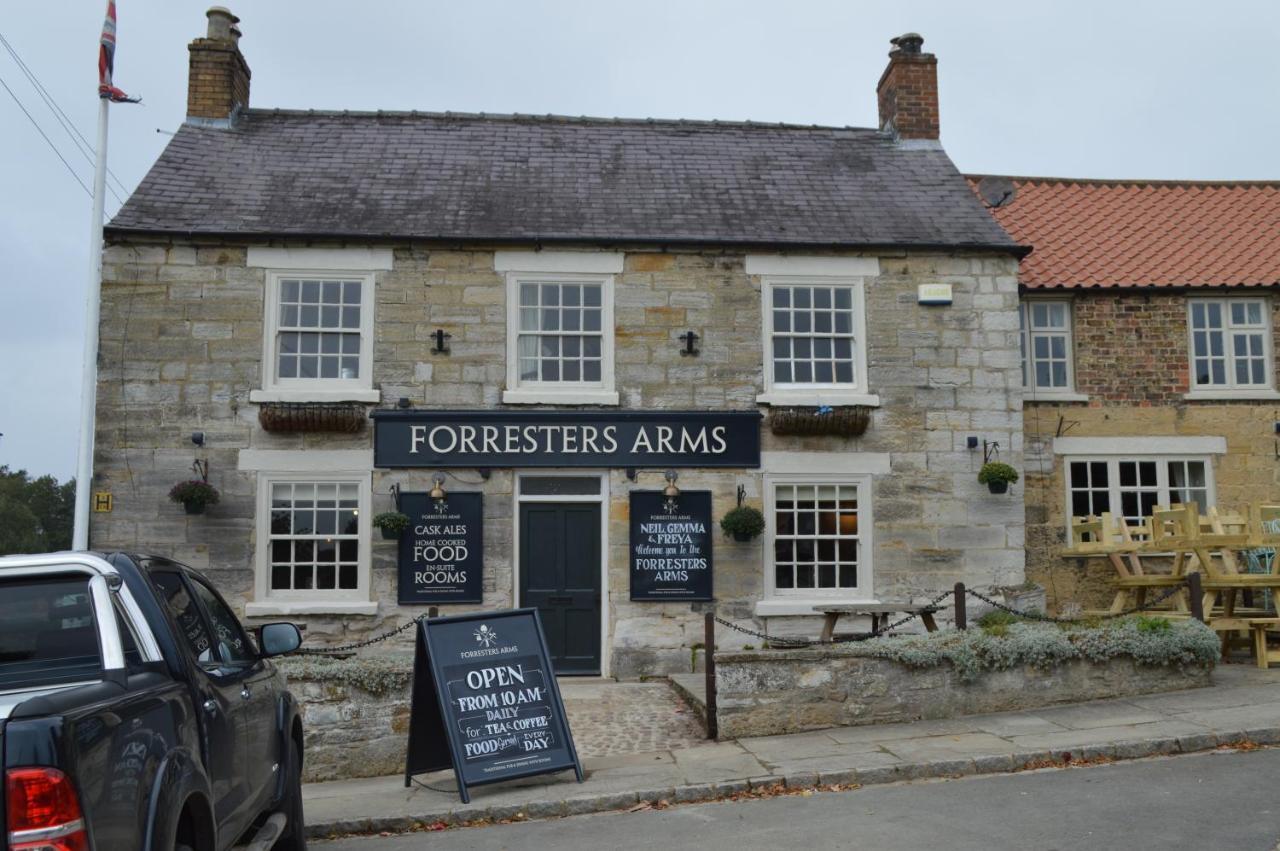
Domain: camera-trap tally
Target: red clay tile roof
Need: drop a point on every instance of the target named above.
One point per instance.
(1105, 233)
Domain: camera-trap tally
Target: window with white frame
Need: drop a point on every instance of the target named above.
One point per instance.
(818, 536)
(560, 337)
(814, 335)
(1132, 487)
(1046, 346)
(319, 332)
(313, 529)
(1230, 349)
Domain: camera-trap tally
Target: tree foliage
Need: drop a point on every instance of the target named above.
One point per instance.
(36, 515)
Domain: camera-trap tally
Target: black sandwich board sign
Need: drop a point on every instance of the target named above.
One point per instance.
(442, 551)
(670, 551)
(485, 701)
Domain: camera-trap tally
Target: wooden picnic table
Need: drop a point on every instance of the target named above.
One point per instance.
(1213, 545)
(880, 614)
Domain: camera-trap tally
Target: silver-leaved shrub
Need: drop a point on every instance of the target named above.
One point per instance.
(1042, 645)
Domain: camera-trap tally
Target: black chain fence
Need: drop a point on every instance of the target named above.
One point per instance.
(932, 607)
(349, 648)
(796, 643)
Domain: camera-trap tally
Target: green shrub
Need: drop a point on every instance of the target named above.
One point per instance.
(744, 521)
(391, 521)
(194, 492)
(1153, 623)
(997, 617)
(997, 471)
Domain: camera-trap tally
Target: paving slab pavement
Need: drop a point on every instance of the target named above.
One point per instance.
(1243, 703)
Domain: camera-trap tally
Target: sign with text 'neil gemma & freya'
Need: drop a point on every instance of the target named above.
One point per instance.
(671, 546)
(484, 439)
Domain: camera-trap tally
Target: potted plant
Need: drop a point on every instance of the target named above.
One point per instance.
(194, 495)
(743, 523)
(392, 524)
(997, 475)
(1026, 597)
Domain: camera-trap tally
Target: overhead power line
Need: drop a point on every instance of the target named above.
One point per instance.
(77, 138)
(46, 138)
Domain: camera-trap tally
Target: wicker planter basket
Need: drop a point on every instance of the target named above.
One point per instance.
(346, 417)
(848, 421)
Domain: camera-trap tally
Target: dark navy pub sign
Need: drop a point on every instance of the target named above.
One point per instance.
(484, 439)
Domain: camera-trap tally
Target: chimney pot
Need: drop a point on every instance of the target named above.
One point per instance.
(908, 42)
(908, 90)
(220, 21)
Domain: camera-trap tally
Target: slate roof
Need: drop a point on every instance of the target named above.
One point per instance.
(1105, 233)
(553, 179)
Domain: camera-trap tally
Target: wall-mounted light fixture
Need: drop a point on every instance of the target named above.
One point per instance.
(438, 493)
(689, 339)
(671, 493)
(197, 437)
(971, 441)
(441, 347)
(404, 402)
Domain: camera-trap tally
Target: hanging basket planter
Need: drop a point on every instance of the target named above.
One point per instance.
(997, 476)
(846, 421)
(343, 417)
(194, 495)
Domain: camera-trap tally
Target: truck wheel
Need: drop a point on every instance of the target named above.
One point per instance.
(295, 833)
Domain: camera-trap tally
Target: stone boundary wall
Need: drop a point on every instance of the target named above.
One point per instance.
(350, 732)
(790, 691)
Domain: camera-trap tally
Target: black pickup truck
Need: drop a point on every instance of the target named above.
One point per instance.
(137, 713)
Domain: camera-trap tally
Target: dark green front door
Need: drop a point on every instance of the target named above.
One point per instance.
(560, 577)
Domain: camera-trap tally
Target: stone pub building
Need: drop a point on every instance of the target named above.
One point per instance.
(516, 328)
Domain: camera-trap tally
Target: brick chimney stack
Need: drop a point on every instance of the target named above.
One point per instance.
(218, 80)
(908, 90)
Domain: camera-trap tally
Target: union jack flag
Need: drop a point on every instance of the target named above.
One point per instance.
(106, 59)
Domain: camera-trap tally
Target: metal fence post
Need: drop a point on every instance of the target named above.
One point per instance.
(962, 619)
(1196, 593)
(713, 726)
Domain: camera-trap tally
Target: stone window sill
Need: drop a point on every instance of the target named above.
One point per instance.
(553, 397)
(309, 607)
(778, 397)
(1227, 395)
(317, 395)
(793, 607)
(1053, 396)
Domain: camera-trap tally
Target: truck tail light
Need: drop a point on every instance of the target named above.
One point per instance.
(44, 813)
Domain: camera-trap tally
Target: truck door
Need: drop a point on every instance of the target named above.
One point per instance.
(257, 692)
(217, 685)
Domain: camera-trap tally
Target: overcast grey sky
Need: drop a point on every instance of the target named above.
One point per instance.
(1102, 89)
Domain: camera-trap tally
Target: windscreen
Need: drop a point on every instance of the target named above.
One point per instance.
(47, 634)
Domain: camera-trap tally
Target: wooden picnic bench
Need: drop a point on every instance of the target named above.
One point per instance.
(880, 614)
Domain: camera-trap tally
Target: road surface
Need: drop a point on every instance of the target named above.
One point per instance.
(1222, 800)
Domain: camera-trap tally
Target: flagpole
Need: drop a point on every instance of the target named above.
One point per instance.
(89, 371)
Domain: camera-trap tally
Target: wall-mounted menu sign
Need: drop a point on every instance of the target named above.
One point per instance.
(485, 701)
(442, 551)
(483, 439)
(671, 550)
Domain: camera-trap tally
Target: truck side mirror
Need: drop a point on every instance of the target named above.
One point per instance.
(276, 639)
